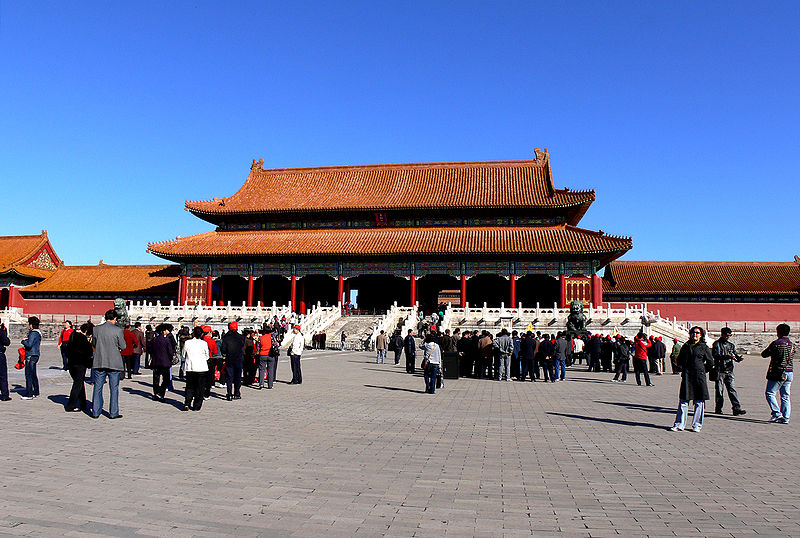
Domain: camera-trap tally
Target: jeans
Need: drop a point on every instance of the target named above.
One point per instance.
(622, 368)
(431, 373)
(726, 380)
(683, 412)
(31, 377)
(99, 376)
(785, 409)
(640, 367)
(504, 370)
(64, 356)
(526, 369)
(381, 358)
(561, 369)
(3, 376)
(137, 357)
(263, 370)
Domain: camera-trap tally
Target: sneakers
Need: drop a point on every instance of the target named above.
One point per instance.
(772, 419)
(719, 412)
(696, 429)
(783, 420)
(28, 397)
(675, 429)
(739, 412)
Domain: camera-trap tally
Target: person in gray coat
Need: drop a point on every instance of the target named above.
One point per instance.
(109, 341)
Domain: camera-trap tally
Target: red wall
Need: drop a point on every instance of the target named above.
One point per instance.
(725, 311)
(83, 307)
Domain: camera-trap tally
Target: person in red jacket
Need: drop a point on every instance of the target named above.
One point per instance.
(640, 345)
(63, 341)
(131, 342)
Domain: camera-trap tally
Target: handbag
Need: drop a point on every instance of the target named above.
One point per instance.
(424, 364)
(176, 359)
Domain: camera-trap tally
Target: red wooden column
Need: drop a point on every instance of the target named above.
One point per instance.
(209, 284)
(463, 291)
(183, 292)
(11, 296)
(562, 300)
(413, 290)
(512, 282)
(221, 291)
(597, 290)
(301, 302)
(250, 290)
(261, 290)
(293, 293)
(340, 289)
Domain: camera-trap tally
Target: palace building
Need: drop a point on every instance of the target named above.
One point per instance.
(493, 232)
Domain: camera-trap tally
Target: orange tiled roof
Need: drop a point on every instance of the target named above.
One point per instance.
(386, 241)
(16, 252)
(107, 278)
(491, 184)
(665, 277)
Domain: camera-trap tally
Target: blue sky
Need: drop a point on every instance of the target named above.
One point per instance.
(683, 116)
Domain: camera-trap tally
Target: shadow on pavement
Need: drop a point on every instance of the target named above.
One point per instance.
(395, 388)
(60, 399)
(149, 396)
(395, 371)
(588, 380)
(673, 410)
(612, 421)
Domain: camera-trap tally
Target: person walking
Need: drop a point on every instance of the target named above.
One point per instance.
(694, 360)
(380, 348)
(433, 360)
(195, 354)
(138, 348)
(296, 343)
(724, 353)
(397, 342)
(161, 361)
(108, 341)
(410, 348)
(79, 358)
(4, 342)
(780, 374)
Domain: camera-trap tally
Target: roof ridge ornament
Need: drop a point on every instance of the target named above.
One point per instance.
(541, 156)
(257, 166)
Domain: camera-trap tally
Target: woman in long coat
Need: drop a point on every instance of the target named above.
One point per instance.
(693, 361)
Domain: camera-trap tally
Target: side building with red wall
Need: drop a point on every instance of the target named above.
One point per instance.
(723, 292)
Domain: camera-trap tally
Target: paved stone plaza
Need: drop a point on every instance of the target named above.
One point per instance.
(359, 449)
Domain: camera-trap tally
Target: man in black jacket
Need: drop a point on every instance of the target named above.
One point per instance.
(411, 351)
(4, 341)
(233, 351)
(724, 353)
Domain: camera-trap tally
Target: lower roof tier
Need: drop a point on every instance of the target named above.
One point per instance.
(425, 241)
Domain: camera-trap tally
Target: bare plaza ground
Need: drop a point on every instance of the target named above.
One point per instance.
(359, 449)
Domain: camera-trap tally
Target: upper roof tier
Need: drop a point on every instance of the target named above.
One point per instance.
(28, 255)
(702, 278)
(460, 185)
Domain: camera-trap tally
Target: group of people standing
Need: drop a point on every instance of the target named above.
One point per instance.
(109, 352)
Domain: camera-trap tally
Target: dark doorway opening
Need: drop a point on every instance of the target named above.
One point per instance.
(543, 289)
(489, 289)
(379, 292)
(271, 288)
(428, 288)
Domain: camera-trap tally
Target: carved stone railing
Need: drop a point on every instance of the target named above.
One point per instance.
(319, 318)
(212, 314)
(389, 321)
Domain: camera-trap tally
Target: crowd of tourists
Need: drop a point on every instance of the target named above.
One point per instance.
(546, 357)
(209, 360)
(206, 360)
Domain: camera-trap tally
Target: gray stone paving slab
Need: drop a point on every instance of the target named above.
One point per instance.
(358, 449)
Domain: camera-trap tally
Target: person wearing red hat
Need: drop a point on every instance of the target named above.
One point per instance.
(212, 362)
(295, 343)
(233, 351)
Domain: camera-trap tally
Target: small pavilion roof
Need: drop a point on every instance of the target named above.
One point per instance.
(106, 278)
(526, 184)
(702, 278)
(502, 240)
(28, 255)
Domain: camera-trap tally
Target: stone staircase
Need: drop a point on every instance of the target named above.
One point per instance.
(358, 329)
